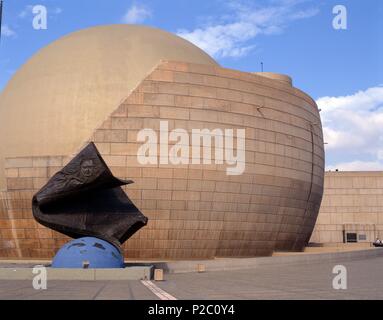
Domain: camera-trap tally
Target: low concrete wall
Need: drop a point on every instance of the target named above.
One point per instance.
(146, 270)
(129, 273)
(252, 263)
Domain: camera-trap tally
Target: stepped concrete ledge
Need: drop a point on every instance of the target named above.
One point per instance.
(22, 270)
(221, 264)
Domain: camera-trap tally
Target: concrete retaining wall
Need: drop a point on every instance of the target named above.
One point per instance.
(145, 271)
(130, 273)
(250, 263)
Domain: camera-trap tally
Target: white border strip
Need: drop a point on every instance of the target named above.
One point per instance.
(163, 295)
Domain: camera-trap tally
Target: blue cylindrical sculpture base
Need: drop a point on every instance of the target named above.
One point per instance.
(89, 253)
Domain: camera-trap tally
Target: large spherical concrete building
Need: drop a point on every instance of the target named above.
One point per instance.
(107, 83)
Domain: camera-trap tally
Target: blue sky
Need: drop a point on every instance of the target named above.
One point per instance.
(341, 69)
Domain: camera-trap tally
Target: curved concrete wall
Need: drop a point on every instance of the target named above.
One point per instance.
(55, 100)
(276, 76)
(196, 211)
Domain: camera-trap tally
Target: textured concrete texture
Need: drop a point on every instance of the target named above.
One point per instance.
(306, 281)
(253, 263)
(352, 202)
(130, 273)
(279, 281)
(23, 270)
(195, 211)
(76, 290)
(341, 247)
(55, 101)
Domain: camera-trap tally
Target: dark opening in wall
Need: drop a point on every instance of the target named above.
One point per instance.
(351, 237)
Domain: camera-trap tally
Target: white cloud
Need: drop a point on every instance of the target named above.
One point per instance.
(57, 10)
(4, 62)
(6, 31)
(27, 11)
(137, 14)
(353, 126)
(230, 37)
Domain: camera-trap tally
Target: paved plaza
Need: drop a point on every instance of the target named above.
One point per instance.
(282, 281)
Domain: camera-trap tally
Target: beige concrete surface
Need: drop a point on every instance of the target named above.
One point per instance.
(128, 273)
(190, 266)
(352, 203)
(195, 210)
(105, 84)
(54, 101)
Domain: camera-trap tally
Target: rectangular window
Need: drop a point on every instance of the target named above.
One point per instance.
(351, 237)
(362, 237)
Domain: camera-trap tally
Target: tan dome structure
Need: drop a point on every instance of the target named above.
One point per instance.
(106, 84)
(68, 88)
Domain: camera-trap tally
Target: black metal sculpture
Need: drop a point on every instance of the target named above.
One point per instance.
(85, 199)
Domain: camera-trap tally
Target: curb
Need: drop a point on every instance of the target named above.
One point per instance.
(129, 273)
(251, 263)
